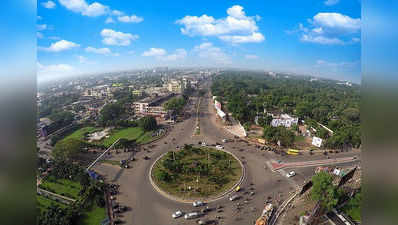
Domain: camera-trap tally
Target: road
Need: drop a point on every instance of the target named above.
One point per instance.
(148, 207)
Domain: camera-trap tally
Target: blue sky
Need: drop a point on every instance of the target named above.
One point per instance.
(316, 37)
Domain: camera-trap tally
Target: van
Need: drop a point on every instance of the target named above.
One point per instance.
(192, 215)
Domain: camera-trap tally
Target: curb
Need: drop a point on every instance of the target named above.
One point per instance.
(222, 195)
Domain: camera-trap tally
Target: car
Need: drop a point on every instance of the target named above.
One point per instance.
(206, 209)
(219, 147)
(146, 158)
(251, 193)
(204, 144)
(177, 214)
(224, 140)
(291, 174)
(233, 197)
(191, 215)
(202, 222)
(197, 203)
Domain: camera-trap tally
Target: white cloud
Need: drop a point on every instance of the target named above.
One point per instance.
(235, 28)
(95, 9)
(154, 52)
(111, 37)
(336, 23)
(321, 40)
(130, 19)
(101, 51)
(109, 20)
(161, 54)
(48, 4)
(117, 13)
(237, 39)
(251, 56)
(330, 29)
(59, 46)
(39, 35)
(214, 54)
(82, 59)
(40, 27)
(81, 6)
(331, 2)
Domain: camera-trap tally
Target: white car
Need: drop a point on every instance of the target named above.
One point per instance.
(204, 144)
(233, 197)
(197, 203)
(219, 147)
(291, 174)
(192, 215)
(177, 214)
(224, 140)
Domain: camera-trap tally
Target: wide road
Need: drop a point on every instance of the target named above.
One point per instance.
(149, 207)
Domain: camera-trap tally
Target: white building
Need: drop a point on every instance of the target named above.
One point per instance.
(284, 120)
(316, 141)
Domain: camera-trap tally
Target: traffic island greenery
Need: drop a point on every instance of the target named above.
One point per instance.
(192, 172)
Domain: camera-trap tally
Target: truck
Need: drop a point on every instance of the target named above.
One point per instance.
(265, 215)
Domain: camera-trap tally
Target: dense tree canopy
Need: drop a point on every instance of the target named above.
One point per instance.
(148, 123)
(110, 114)
(67, 149)
(281, 134)
(324, 191)
(248, 94)
(176, 104)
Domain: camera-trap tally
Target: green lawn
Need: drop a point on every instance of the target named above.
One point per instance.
(64, 187)
(112, 162)
(43, 203)
(299, 138)
(79, 134)
(93, 217)
(224, 172)
(131, 133)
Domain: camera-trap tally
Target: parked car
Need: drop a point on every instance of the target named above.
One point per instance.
(204, 144)
(192, 215)
(291, 174)
(197, 203)
(224, 140)
(177, 214)
(233, 197)
(219, 147)
(206, 209)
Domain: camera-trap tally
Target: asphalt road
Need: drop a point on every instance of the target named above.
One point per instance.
(148, 207)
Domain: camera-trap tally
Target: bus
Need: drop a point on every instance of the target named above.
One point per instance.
(293, 151)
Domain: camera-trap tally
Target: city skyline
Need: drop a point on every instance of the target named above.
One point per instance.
(321, 39)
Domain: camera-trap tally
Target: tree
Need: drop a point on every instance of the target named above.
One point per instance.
(148, 123)
(262, 121)
(110, 114)
(324, 191)
(67, 149)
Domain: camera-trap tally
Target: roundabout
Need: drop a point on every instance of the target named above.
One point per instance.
(196, 173)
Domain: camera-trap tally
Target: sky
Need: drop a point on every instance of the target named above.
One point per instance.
(310, 37)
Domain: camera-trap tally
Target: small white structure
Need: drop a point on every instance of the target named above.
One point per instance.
(316, 141)
(337, 171)
(284, 120)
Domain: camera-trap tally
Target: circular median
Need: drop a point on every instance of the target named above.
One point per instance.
(194, 173)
